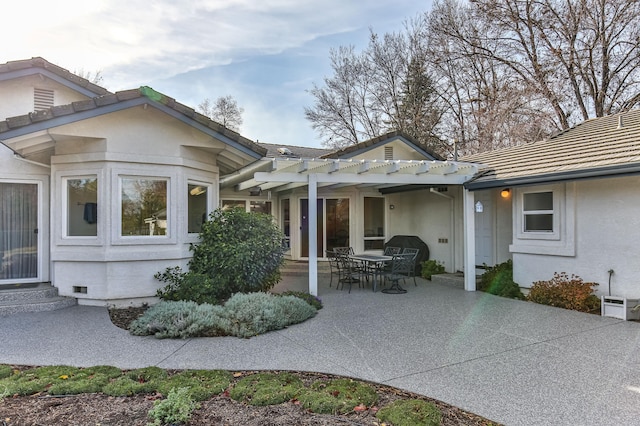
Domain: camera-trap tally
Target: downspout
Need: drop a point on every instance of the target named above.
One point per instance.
(452, 251)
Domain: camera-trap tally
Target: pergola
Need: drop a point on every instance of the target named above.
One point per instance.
(281, 174)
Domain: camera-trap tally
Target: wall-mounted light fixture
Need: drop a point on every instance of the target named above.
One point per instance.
(198, 190)
(391, 206)
(505, 193)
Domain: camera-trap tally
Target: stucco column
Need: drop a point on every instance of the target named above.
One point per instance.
(313, 234)
(469, 225)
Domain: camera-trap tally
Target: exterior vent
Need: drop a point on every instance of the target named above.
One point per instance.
(285, 151)
(388, 153)
(42, 99)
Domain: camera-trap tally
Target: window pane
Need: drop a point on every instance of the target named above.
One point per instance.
(538, 222)
(82, 207)
(538, 201)
(144, 207)
(373, 217)
(229, 204)
(197, 208)
(286, 223)
(260, 207)
(337, 223)
(374, 244)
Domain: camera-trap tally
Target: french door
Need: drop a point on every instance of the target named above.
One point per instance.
(332, 224)
(18, 232)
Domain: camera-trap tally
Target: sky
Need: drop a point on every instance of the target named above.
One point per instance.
(266, 54)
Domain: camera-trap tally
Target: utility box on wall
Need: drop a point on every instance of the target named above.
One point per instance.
(619, 307)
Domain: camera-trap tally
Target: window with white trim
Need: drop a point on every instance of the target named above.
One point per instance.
(143, 205)
(82, 206)
(374, 232)
(537, 211)
(197, 206)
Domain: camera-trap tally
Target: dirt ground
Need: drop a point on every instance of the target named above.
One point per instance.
(103, 410)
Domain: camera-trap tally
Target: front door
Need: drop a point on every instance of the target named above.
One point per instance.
(484, 229)
(18, 232)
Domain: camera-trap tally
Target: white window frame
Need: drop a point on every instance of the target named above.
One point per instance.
(554, 233)
(382, 238)
(559, 242)
(116, 211)
(61, 229)
(209, 187)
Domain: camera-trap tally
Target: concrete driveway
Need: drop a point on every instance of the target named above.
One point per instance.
(514, 362)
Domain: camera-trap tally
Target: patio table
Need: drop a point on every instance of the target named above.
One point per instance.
(372, 262)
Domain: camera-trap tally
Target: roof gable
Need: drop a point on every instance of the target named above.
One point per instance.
(16, 69)
(606, 146)
(362, 148)
(15, 130)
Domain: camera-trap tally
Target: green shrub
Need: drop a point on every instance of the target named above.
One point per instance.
(410, 412)
(337, 396)
(238, 252)
(431, 267)
(309, 298)
(243, 315)
(176, 409)
(266, 388)
(189, 286)
(565, 292)
(498, 280)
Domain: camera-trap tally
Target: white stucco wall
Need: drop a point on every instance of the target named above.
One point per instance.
(17, 95)
(139, 142)
(606, 237)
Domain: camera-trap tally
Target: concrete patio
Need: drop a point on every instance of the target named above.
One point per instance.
(514, 362)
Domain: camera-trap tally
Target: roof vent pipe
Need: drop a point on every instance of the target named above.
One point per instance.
(620, 123)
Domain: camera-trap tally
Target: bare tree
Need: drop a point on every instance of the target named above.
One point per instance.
(224, 110)
(94, 77)
(384, 88)
(487, 106)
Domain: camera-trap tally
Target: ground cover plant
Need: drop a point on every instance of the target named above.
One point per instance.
(237, 252)
(564, 291)
(233, 398)
(243, 315)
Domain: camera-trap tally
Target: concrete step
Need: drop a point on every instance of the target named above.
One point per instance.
(42, 297)
(453, 280)
(301, 267)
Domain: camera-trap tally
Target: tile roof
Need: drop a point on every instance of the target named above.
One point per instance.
(12, 125)
(604, 146)
(352, 150)
(25, 65)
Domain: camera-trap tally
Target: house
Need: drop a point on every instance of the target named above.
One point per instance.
(570, 205)
(99, 191)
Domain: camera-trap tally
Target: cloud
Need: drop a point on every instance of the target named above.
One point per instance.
(264, 53)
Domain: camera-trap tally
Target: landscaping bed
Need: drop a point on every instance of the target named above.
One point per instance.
(100, 408)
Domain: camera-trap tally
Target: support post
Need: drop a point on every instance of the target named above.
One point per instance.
(469, 226)
(313, 234)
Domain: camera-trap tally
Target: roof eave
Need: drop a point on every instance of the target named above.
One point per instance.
(601, 172)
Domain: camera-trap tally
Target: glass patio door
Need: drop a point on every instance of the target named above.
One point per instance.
(18, 232)
(332, 224)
